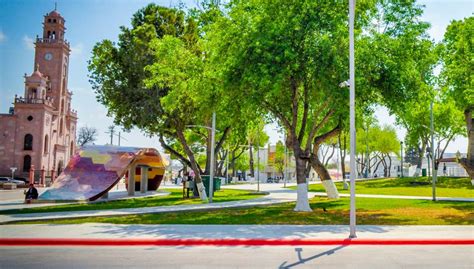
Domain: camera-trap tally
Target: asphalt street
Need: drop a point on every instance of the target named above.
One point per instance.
(239, 257)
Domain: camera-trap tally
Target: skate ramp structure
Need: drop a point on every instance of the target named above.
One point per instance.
(94, 170)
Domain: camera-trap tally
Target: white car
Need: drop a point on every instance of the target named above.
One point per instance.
(9, 180)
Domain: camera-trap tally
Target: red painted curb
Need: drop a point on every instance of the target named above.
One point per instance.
(223, 242)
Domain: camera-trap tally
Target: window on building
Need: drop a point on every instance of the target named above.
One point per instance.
(28, 142)
(26, 163)
(46, 140)
(29, 118)
(72, 148)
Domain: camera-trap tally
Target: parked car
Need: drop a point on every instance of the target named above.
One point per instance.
(9, 180)
(22, 179)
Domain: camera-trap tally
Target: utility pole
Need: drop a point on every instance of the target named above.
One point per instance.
(211, 174)
(286, 160)
(433, 156)
(111, 132)
(352, 213)
(401, 157)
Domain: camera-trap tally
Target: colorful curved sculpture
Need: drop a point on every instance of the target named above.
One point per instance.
(96, 169)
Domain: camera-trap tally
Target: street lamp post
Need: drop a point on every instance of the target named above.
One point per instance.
(211, 172)
(401, 158)
(258, 168)
(367, 152)
(352, 214)
(433, 156)
(227, 166)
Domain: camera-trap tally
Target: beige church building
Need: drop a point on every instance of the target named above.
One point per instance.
(39, 131)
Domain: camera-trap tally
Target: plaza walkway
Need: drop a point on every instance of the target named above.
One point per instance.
(276, 194)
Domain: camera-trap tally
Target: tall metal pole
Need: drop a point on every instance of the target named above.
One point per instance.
(433, 157)
(211, 176)
(352, 214)
(227, 165)
(367, 152)
(401, 158)
(258, 168)
(286, 161)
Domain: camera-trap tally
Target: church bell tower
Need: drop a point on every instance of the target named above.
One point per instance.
(52, 57)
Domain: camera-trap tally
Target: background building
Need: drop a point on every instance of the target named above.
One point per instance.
(40, 129)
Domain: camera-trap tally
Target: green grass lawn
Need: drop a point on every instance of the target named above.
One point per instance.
(445, 187)
(372, 211)
(175, 198)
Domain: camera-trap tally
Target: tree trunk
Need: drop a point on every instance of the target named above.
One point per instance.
(328, 184)
(390, 165)
(194, 167)
(302, 202)
(342, 154)
(468, 162)
(420, 159)
(318, 166)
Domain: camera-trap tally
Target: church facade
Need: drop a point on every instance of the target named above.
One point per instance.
(39, 131)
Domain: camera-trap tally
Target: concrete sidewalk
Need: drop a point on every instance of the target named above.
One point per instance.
(274, 197)
(120, 231)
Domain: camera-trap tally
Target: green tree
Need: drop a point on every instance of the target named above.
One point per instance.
(256, 138)
(149, 78)
(458, 78)
(288, 58)
(279, 159)
(385, 143)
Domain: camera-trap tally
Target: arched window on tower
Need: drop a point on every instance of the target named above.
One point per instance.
(49, 34)
(46, 140)
(28, 142)
(72, 148)
(53, 36)
(26, 163)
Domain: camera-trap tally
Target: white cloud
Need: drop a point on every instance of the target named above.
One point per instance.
(29, 42)
(2, 36)
(76, 51)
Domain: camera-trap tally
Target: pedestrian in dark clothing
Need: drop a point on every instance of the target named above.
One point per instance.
(31, 194)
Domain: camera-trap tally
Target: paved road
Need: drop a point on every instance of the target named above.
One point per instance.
(386, 257)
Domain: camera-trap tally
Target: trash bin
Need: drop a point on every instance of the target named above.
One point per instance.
(423, 172)
(216, 186)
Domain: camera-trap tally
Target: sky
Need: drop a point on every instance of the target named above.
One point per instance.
(91, 21)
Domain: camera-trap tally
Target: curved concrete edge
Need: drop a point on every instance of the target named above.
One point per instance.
(266, 200)
(225, 242)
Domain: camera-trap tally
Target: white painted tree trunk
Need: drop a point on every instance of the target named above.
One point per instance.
(202, 191)
(417, 172)
(302, 202)
(331, 189)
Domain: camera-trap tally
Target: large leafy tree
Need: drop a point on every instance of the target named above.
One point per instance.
(149, 79)
(458, 78)
(288, 58)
